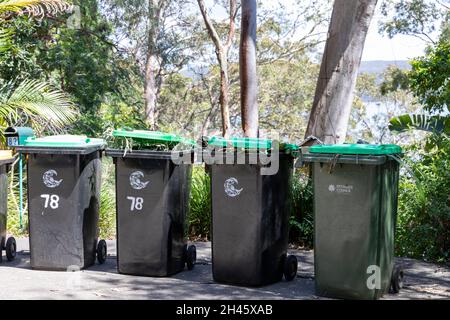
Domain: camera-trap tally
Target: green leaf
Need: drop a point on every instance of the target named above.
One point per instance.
(407, 122)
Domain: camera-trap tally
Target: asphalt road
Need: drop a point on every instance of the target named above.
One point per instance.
(422, 281)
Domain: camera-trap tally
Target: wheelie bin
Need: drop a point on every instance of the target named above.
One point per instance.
(251, 205)
(355, 205)
(152, 203)
(7, 244)
(64, 179)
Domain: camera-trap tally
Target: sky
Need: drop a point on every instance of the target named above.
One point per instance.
(379, 47)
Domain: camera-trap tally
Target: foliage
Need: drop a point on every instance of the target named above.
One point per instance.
(380, 98)
(286, 92)
(35, 8)
(429, 78)
(13, 215)
(424, 202)
(34, 104)
(36, 98)
(79, 60)
(435, 124)
(200, 204)
(107, 214)
(302, 216)
(418, 18)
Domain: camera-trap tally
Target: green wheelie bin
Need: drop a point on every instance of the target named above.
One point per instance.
(355, 211)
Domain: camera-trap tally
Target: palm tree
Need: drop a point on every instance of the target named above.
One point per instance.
(32, 98)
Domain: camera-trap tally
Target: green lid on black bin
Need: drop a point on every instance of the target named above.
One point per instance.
(249, 143)
(357, 149)
(64, 141)
(153, 136)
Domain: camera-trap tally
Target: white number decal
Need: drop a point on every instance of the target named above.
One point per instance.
(137, 203)
(51, 200)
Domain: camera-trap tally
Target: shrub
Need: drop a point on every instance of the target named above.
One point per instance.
(302, 216)
(107, 215)
(424, 208)
(200, 204)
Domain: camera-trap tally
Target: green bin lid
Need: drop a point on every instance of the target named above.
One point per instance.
(153, 136)
(64, 141)
(363, 149)
(248, 143)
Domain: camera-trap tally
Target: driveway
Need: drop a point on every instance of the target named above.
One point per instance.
(422, 281)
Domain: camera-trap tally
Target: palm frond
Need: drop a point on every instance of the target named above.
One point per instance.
(36, 98)
(35, 8)
(5, 39)
(436, 124)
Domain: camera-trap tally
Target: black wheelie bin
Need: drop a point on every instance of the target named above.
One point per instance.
(355, 209)
(152, 203)
(64, 179)
(251, 204)
(7, 244)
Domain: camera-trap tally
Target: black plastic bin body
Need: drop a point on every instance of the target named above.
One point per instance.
(250, 215)
(355, 205)
(63, 206)
(4, 168)
(152, 200)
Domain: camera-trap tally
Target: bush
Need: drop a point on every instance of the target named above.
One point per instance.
(424, 208)
(200, 204)
(107, 215)
(302, 216)
(13, 215)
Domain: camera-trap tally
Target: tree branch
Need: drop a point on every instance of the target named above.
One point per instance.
(210, 27)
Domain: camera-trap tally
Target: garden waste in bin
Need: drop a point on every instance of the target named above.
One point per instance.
(7, 244)
(64, 178)
(251, 206)
(355, 209)
(152, 200)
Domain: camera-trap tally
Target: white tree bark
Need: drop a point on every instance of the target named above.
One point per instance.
(333, 100)
(222, 52)
(247, 64)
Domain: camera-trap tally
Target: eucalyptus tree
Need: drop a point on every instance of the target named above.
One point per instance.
(333, 100)
(156, 34)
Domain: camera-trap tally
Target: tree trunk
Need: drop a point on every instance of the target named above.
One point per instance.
(333, 100)
(150, 91)
(151, 65)
(222, 51)
(224, 99)
(247, 66)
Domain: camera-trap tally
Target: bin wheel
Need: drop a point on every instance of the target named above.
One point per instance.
(102, 251)
(191, 257)
(290, 267)
(11, 249)
(397, 280)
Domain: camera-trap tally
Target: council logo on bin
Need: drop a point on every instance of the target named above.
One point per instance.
(136, 181)
(49, 179)
(231, 189)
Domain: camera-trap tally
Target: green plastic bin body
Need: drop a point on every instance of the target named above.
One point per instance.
(355, 207)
